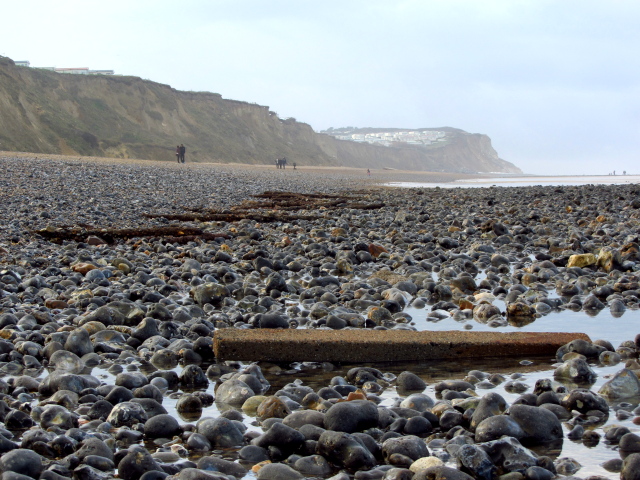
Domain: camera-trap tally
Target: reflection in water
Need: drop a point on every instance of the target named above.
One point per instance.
(520, 321)
(550, 449)
(599, 324)
(503, 373)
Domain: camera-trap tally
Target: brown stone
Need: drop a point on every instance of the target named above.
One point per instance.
(8, 334)
(357, 395)
(272, 407)
(557, 248)
(389, 276)
(93, 240)
(258, 466)
(464, 284)
(53, 303)
(94, 327)
(359, 293)
(344, 266)
(465, 304)
(528, 278)
(608, 259)
(83, 268)
(484, 311)
(379, 314)
(520, 309)
(624, 286)
(630, 250)
(376, 250)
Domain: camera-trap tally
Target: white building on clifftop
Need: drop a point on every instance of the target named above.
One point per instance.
(73, 71)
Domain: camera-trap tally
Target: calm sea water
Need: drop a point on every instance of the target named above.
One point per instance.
(527, 181)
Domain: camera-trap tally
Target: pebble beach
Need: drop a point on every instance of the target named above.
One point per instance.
(116, 274)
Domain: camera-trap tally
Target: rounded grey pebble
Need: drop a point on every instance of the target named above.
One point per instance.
(278, 471)
(22, 461)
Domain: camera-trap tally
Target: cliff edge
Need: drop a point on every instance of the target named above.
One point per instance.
(43, 111)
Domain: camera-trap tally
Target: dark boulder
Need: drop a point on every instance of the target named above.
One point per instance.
(350, 417)
(344, 450)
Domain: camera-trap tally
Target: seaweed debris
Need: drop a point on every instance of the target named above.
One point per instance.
(277, 203)
(176, 234)
(271, 206)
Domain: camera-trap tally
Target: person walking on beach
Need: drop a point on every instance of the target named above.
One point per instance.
(182, 152)
(178, 153)
(368, 172)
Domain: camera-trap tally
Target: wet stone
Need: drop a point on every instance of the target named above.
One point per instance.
(139, 312)
(23, 462)
(127, 414)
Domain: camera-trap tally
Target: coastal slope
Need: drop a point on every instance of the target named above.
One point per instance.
(43, 111)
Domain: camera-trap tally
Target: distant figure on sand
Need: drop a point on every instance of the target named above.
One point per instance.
(294, 165)
(281, 162)
(368, 172)
(183, 150)
(178, 153)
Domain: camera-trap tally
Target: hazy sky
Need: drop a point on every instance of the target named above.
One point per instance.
(555, 84)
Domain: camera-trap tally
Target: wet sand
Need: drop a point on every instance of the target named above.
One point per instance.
(377, 175)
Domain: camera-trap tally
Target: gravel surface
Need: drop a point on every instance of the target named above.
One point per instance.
(114, 276)
(36, 192)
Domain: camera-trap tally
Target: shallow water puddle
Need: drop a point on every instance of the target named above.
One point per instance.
(602, 325)
(317, 376)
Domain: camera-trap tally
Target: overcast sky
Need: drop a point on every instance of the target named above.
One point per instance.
(555, 84)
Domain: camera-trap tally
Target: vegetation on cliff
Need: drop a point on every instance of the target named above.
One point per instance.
(127, 117)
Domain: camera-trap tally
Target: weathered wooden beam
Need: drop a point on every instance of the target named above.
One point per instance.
(380, 345)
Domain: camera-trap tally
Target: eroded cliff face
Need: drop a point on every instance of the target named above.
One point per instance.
(127, 117)
(463, 152)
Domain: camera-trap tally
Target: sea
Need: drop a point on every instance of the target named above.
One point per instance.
(527, 181)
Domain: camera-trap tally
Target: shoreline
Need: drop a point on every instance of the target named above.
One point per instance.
(377, 175)
(380, 177)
